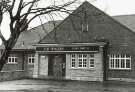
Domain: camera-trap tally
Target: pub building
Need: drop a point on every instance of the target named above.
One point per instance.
(88, 45)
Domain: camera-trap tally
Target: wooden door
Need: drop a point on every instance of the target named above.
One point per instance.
(43, 65)
(58, 66)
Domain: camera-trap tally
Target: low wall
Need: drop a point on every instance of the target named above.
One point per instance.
(12, 75)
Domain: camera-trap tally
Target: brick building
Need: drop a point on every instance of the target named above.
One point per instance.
(88, 45)
(20, 63)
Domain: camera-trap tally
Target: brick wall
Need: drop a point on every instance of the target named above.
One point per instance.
(129, 74)
(123, 73)
(22, 62)
(19, 70)
(12, 75)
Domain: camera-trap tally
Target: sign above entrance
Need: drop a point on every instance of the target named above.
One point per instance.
(76, 48)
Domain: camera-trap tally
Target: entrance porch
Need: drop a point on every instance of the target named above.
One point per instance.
(74, 62)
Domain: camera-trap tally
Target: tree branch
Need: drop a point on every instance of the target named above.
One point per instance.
(19, 22)
(19, 9)
(2, 38)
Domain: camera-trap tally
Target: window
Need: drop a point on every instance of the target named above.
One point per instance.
(91, 61)
(120, 61)
(73, 60)
(12, 59)
(31, 59)
(85, 22)
(82, 60)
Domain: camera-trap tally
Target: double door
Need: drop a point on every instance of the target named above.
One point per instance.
(56, 66)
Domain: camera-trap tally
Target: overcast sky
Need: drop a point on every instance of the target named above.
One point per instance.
(116, 7)
(111, 7)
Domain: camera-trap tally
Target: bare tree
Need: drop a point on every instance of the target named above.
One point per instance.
(20, 19)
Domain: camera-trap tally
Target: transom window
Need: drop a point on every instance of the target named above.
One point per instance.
(12, 59)
(120, 61)
(82, 60)
(31, 59)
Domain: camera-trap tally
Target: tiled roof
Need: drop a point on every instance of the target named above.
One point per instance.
(32, 36)
(69, 30)
(127, 20)
(101, 27)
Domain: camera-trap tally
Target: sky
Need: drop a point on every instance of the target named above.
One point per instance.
(111, 7)
(116, 7)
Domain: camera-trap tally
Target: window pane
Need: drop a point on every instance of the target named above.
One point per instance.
(122, 56)
(84, 62)
(29, 60)
(9, 59)
(112, 63)
(80, 64)
(73, 60)
(127, 63)
(112, 56)
(117, 63)
(122, 63)
(91, 62)
(85, 55)
(73, 55)
(117, 56)
(80, 55)
(80, 60)
(15, 59)
(32, 60)
(91, 65)
(73, 64)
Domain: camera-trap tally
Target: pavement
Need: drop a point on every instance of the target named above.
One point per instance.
(34, 85)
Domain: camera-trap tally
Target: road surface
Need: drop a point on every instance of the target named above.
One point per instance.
(31, 85)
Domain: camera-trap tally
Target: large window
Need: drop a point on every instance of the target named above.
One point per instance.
(120, 61)
(12, 59)
(31, 58)
(82, 60)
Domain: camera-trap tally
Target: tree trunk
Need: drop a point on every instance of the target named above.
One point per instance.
(4, 58)
(10, 43)
(0, 17)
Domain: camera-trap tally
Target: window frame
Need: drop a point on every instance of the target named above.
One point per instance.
(82, 60)
(114, 59)
(30, 58)
(91, 57)
(73, 61)
(13, 59)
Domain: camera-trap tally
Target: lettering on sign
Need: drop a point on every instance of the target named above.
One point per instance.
(79, 48)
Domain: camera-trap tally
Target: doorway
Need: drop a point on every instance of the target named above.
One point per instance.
(57, 65)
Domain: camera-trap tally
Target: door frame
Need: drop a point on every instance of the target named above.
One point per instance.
(51, 62)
